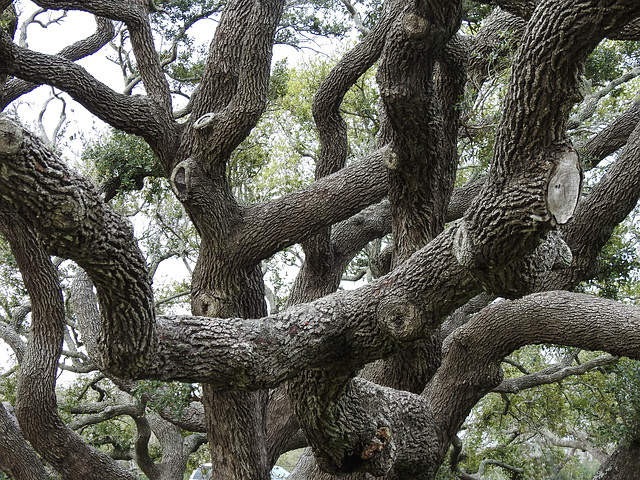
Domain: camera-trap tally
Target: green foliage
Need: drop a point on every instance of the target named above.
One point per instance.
(174, 396)
(474, 13)
(8, 387)
(619, 267)
(124, 157)
(624, 385)
(610, 60)
(12, 290)
(600, 406)
(315, 17)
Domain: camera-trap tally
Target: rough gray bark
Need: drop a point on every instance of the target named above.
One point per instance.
(36, 407)
(623, 464)
(17, 458)
(229, 343)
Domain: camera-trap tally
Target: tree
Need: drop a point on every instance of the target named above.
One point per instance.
(381, 378)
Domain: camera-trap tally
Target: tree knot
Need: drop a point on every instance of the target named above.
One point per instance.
(181, 179)
(400, 318)
(415, 25)
(377, 443)
(10, 136)
(207, 120)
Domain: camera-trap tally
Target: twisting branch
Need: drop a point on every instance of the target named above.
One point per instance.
(591, 101)
(83, 48)
(61, 118)
(552, 374)
(86, 224)
(173, 50)
(581, 442)
(32, 19)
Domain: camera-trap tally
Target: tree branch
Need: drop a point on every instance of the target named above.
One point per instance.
(552, 374)
(591, 101)
(531, 141)
(472, 354)
(132, 114)
(83, 48)
(69, 209)
(39, 421)
(17, 458)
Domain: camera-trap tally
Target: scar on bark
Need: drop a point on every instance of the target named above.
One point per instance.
(565, 183)
(377, 443)
(181, 179)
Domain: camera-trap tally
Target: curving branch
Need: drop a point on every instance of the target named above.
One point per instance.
(11, 336)
(147, 59)
(472, 354)
(232, 94)
(613, 137)
(103, 413)
(82, 222)
(552, 374)
(83, 48)
(581, 442)
(269, 227)
(39, 421)
(332, 129)
(136, 115)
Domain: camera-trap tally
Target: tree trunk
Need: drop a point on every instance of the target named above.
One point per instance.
(623, 464)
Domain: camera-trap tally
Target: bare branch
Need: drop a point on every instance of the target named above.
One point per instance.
(552, 374)
(590, 104)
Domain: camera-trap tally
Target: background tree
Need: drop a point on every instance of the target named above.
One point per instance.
(379, 379)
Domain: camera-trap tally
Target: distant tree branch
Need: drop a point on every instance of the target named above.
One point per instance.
(552, 374)
(590, 104)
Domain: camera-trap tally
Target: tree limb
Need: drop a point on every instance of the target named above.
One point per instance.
(83, 48)
(552, 374)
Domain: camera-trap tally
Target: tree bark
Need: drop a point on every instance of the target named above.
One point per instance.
(623, 464)
(36, 406)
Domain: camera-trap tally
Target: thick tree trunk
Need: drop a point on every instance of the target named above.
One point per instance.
(623, 464)
(17, 458)
(36, 405)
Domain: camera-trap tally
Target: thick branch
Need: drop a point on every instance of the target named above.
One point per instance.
(232, 94)
(39, 420)
(290, 219)
(472, 354)
(135, 115)
(533, 161)
(74, 223)
(147, 58)
(113, 9)
(332, 129)
(83, 48)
